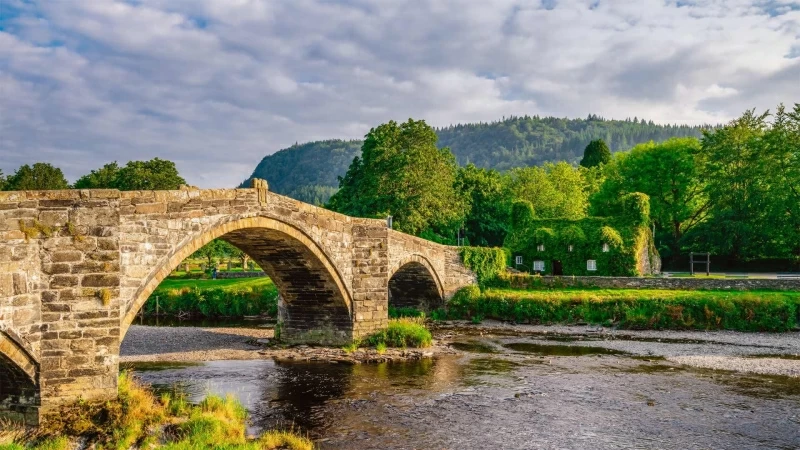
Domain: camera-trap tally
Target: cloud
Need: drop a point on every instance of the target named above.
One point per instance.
(217, 84)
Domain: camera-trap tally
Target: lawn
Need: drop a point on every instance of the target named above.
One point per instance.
(227, 284)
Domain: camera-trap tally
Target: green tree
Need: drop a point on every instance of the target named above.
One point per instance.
(402, 173)
(487, 203)
(102, 178)
(41, 176)
(734, 167)
(2, 181)
(156, 174)
(668, 174)
(554, 190)
(212, 252)
(596, 153)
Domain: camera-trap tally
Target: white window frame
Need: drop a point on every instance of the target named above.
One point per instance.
(570, 248)
(518, 260)
(606, 247)
(540, 248)
(538, 266)
(591, 265)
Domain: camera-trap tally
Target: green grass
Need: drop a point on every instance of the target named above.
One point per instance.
(404, 311)
(633, 308)
(213, 298)
(140, 420)
(402, 333)
(227, 284)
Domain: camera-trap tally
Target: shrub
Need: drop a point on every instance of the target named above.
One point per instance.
(404, 311)
(487, 263)
(406, 332)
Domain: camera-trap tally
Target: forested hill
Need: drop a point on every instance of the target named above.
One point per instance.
(309, 172)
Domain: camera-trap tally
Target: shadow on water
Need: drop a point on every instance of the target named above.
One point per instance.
(297, 395)
(473, 347)
(560, 350)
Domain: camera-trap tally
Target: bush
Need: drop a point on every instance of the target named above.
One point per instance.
(214, 302)
(402, 333)
(404, 311)
(633, 309)
(487, 263)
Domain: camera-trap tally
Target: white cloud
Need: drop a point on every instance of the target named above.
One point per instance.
(217, 84)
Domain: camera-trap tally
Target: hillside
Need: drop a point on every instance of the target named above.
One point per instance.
(309, 171)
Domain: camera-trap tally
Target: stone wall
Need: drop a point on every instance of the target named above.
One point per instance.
(781, 284)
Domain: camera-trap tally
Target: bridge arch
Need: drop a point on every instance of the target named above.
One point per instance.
(19, 374)
(313, 290)
(414, 282)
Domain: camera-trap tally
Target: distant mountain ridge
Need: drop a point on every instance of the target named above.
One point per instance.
(309, 171)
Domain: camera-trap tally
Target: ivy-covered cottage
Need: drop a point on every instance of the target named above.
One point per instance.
(614, 246)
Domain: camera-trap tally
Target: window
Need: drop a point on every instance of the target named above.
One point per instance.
(538, 266)
(540, 247)
(605, 248)
(591, 265)
(570, 248)
(518, 260)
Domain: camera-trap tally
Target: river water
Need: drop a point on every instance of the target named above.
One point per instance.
(525, 394)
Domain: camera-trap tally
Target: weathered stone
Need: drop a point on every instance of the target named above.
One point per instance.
(74, 292)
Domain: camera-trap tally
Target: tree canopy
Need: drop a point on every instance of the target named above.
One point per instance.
(40, 176)
(595, 154)
(402, 173)
(155, 174)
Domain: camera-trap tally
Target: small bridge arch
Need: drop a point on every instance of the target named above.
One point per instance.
(414, 282)
(19, 380)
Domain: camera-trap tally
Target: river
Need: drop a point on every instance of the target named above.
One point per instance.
(504, 392)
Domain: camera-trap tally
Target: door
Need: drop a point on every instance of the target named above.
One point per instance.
(557, 268)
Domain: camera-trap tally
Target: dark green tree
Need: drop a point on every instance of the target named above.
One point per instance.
(40, 176)
(156, 174)
(402, 173)
(488, 205)
(2, 181)
(102, 178)
(596, 153)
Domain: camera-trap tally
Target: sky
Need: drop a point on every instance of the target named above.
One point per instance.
(215, 85)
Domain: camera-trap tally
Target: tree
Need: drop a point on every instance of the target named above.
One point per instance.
(156, 174)
(102, 178)
(487, 205)
(668, 174)
(42, 176)
(402, 173)
(737, 187)
(211, 252)
(554, 190)
(596, 153)
(2, 181)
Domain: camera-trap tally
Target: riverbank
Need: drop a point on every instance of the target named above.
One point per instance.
(757, 353)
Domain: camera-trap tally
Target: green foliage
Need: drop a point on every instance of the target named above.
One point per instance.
(485, 262)
(487, 202)
(396, 312)
(595, 154)
(42, 176)
(668, 173)
(219, 301)
(402, 173)
(522, 214)
(585, 237)
(137, 419)
(309, 171)
(402, 333)
(555, 190)
(105, 177)
(3, 181)
(155, 174)
(633, 308)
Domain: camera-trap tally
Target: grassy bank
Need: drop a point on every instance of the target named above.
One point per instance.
(140, 420)
(631, 308)
(212, 298)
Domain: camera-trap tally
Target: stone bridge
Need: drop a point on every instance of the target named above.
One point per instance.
(77, 265)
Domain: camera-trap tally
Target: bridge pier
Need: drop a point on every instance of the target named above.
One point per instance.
(77, 266)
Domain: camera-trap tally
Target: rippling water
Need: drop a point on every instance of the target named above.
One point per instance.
(503, 395)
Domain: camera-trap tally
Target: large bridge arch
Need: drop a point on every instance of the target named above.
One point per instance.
(19, 380)
(414, 282)
(313, 289)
